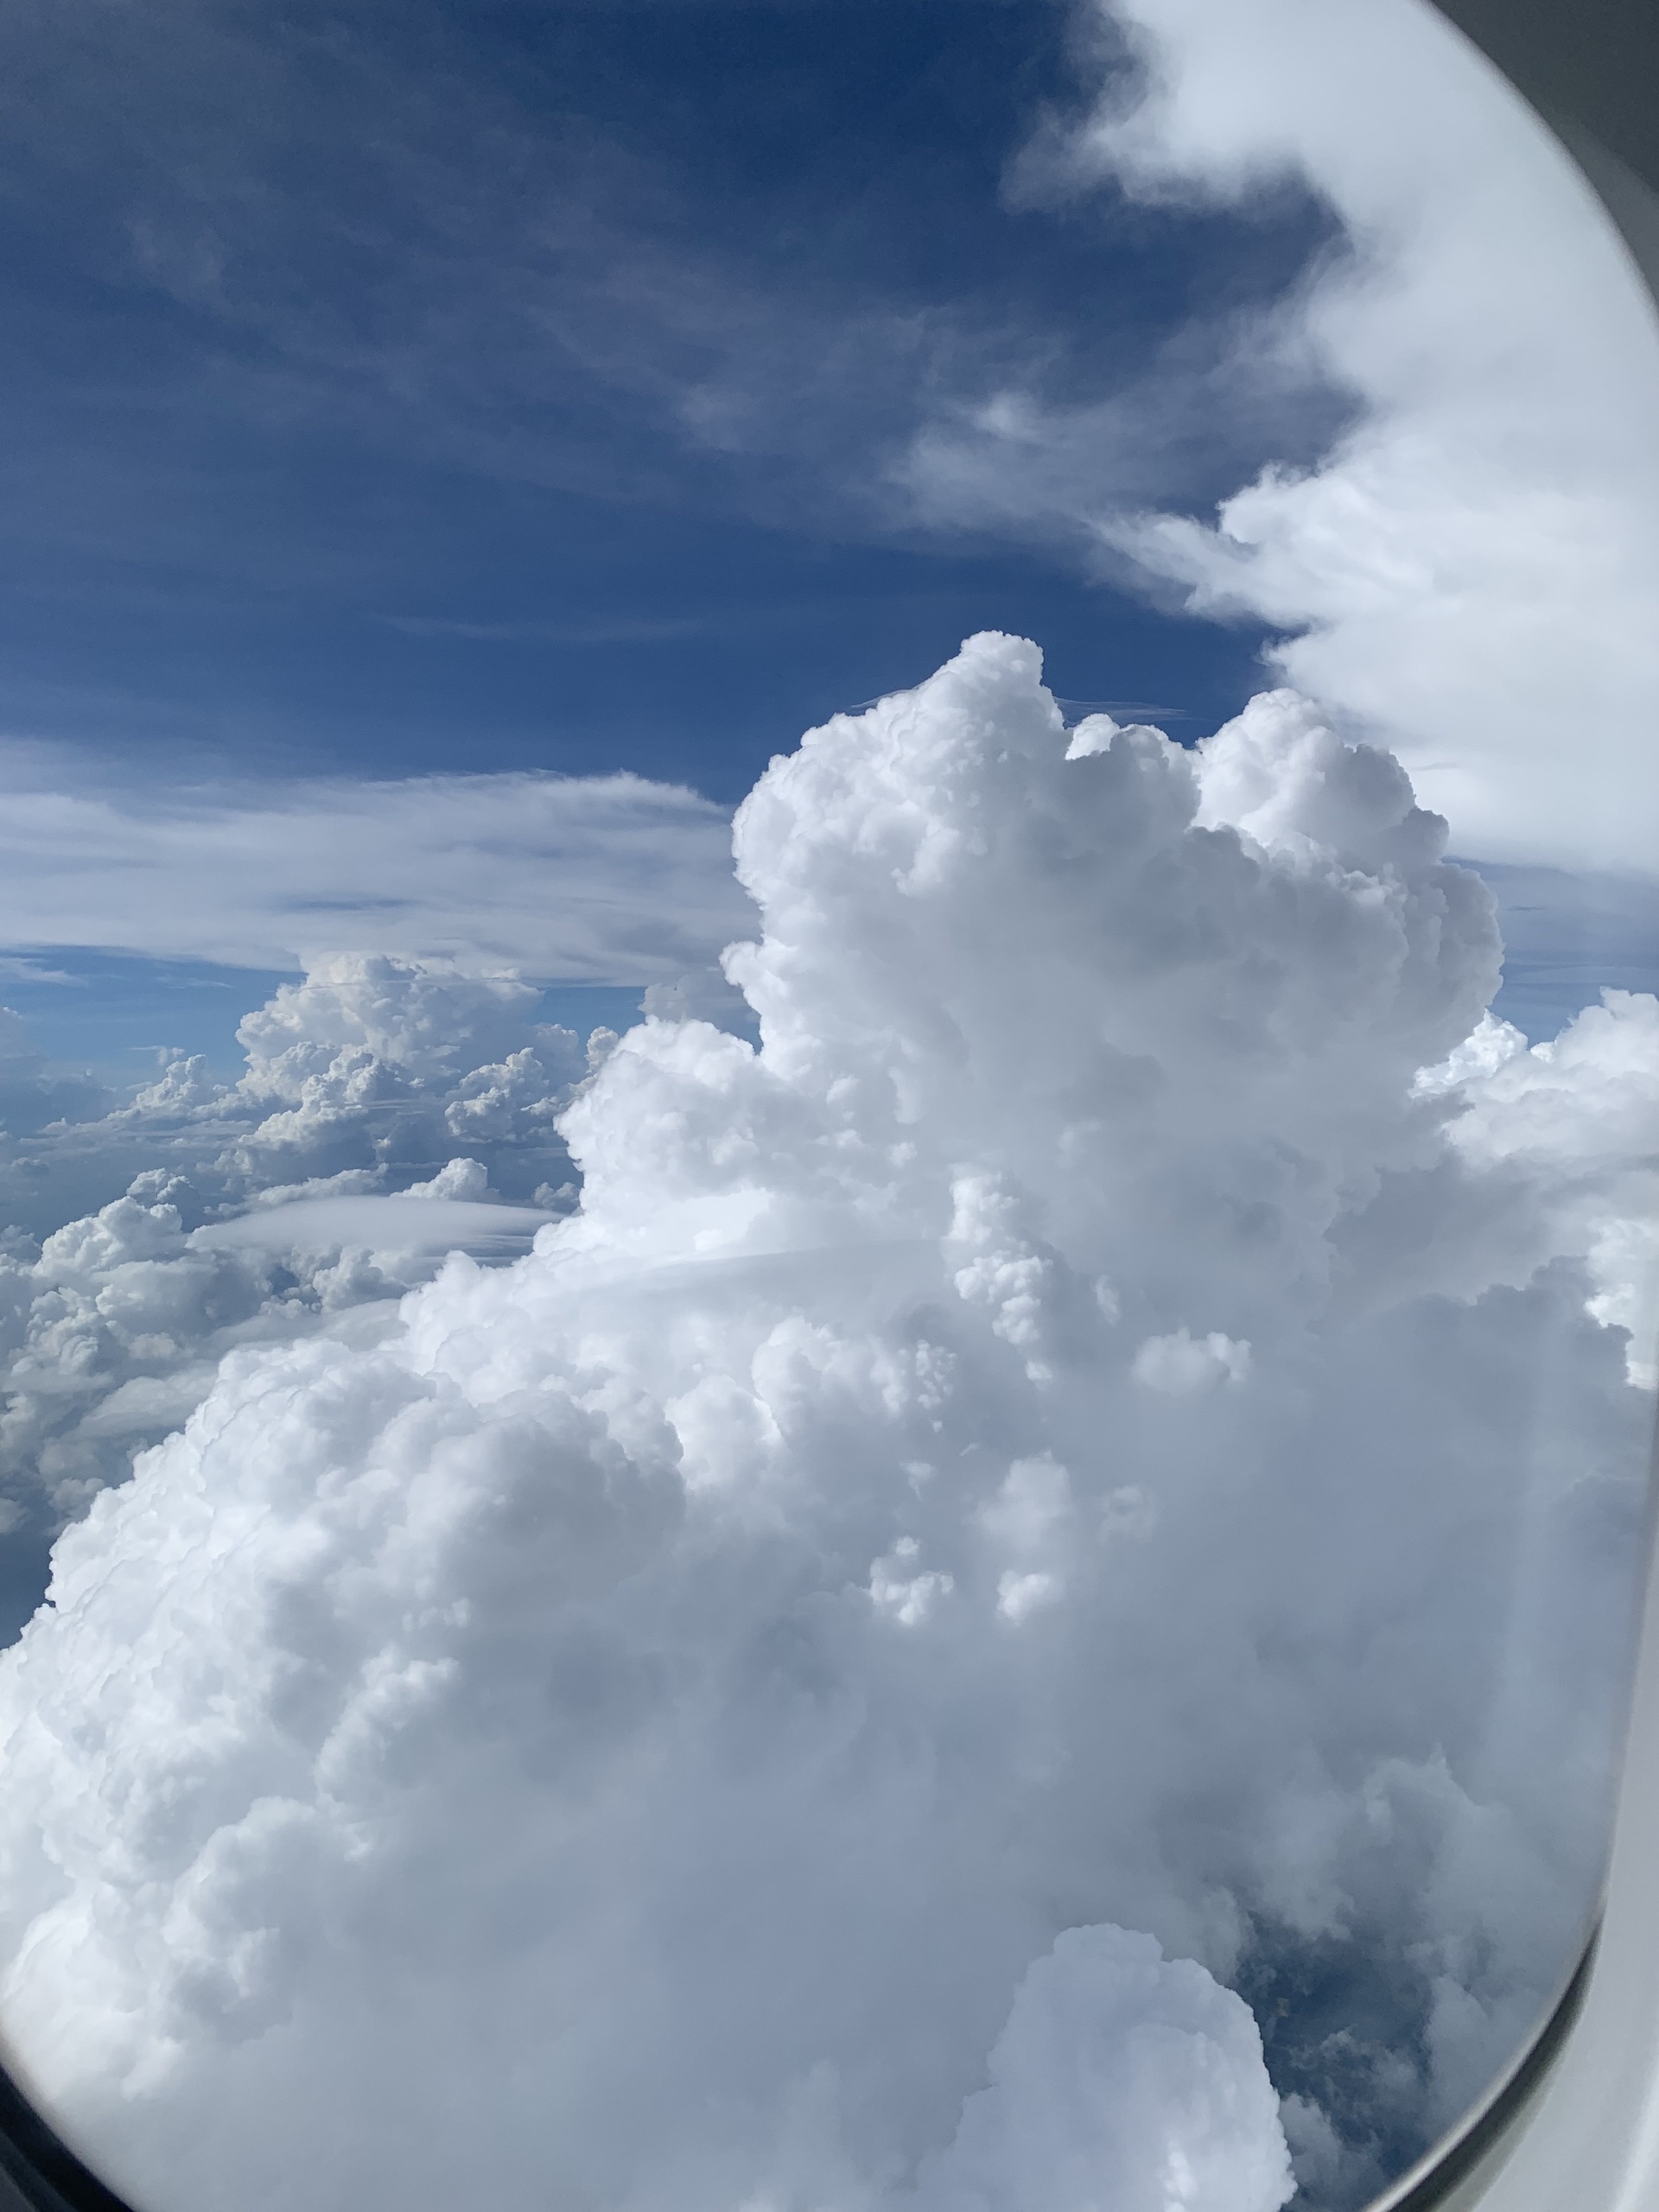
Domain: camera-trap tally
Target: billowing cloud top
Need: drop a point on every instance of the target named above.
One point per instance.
(1069, 1475)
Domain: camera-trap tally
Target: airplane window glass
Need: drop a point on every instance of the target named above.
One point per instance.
(830, 1294)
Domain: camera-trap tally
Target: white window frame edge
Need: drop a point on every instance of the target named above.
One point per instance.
(1572, 2124)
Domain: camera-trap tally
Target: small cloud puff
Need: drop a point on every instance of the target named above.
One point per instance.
(1570, 1128)
(1121, 2079)
(1181, 1364)
(899, 1587)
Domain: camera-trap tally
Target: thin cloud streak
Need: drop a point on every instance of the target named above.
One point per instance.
(610, 879)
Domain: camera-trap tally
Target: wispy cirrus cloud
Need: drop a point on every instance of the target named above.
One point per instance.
(541, 284)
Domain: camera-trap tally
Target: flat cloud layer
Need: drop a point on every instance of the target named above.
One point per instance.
(1073, 1475)
(610, 878)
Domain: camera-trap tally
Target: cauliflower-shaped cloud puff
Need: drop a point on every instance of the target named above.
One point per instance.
(1004, 1510)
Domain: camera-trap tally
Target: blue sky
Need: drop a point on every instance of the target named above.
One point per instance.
(422, 387)
(566, 388)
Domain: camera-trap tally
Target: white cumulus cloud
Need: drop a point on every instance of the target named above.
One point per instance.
(1122, 2080)
(757, 1702)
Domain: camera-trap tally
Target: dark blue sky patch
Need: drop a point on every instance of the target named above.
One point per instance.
(498, 386)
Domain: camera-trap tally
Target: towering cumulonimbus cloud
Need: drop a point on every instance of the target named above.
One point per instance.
(372, 1063)
(1052, 1485)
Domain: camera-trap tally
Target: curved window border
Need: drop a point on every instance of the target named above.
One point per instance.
(38, 2171)
(1574, 2124)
